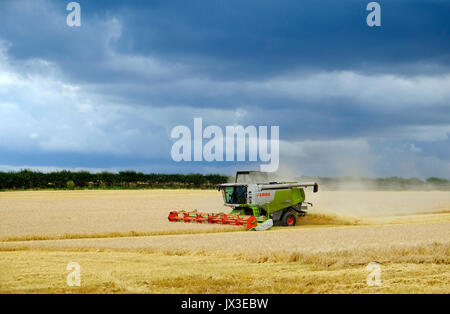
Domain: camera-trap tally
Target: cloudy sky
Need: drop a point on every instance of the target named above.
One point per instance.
(349, 99)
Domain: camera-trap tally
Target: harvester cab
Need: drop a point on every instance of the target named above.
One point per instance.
(256, 205)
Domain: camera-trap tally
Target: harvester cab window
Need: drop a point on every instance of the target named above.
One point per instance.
(235, 194)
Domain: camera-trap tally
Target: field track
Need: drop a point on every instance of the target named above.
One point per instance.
(293, 240)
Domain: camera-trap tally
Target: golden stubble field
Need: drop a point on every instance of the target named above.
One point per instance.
(125, 244)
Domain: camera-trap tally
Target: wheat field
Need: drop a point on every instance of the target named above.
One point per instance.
(79, 214)
(125, 244)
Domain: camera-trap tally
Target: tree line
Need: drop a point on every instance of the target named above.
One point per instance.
(27, 179)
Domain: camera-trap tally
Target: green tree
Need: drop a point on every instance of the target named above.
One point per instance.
(70, 185)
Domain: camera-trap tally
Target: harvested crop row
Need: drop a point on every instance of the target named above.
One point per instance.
(263, 245)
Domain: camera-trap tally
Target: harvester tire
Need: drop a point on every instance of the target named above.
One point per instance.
(289, 219)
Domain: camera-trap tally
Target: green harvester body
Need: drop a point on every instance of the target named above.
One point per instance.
(277, 201)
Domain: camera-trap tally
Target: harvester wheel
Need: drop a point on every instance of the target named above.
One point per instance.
(289, 219)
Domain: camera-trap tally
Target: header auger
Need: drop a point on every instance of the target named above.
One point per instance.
(220, 218)
(255, 205)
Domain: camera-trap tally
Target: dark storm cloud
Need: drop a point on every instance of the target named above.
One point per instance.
(234, 39)
(137, 68)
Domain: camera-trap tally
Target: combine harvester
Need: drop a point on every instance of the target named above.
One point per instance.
(255, 205)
